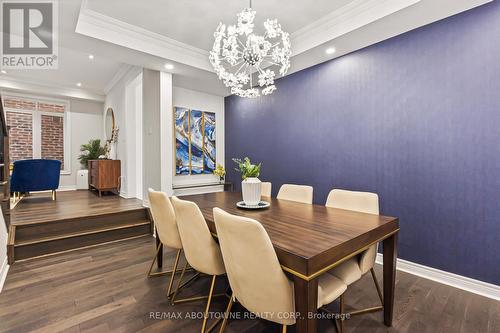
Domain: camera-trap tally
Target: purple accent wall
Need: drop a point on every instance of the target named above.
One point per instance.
(415, 118)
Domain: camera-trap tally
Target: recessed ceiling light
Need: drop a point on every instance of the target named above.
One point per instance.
(3, 72)
(169, 66)
(330, 50)
(91, 56)
(79, 84)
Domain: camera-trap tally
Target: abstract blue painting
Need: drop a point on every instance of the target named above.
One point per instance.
(196, 122)
(195, 144)
(209, 143)
(181, 141)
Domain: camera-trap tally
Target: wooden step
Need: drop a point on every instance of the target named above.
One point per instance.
(33, 231)
(34, 247)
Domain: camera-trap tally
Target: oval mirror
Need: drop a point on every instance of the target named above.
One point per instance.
(109, 123)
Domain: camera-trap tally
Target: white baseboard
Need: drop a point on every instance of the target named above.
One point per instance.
(4, 268)
(458, 281)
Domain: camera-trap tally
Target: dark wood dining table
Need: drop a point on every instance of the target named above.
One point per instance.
(310, 240)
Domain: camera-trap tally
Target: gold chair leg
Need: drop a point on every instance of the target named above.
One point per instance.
(162, 272)
(379, 291)
(341, 310)
(283, 329)
(54, 196)
(172, 301)
(226, 314)
(174, 270)
(210, 293)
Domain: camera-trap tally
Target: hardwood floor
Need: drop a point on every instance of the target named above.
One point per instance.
(105, 289)
(39, 208)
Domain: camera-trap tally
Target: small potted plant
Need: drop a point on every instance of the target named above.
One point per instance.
(220, 172)
(90, 151)
(250, 184)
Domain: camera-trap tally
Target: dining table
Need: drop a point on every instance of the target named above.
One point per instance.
(310, 240)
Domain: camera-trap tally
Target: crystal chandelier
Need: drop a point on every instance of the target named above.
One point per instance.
(236, 60)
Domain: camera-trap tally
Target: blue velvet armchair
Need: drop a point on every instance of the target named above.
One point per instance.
(35, 175)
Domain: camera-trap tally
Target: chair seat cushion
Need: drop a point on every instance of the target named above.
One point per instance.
(329, 289)
(347, 271)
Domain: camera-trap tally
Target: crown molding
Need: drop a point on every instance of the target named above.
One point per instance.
(14, 84)
(352, 16)
(96, 25)
(122, 71)
(348, 18)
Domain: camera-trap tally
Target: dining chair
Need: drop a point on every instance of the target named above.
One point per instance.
(165, 223)
(265, 189)
(353, 269)
(255, 275)
(297, 193)
(200, 249)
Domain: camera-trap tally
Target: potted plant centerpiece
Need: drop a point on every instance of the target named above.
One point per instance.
(250, 184)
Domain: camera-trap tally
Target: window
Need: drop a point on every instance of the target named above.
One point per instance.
(37, 129)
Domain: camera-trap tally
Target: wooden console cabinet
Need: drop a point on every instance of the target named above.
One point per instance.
(104, 175)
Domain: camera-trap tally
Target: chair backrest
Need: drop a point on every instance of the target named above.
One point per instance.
(35, 175)
(164, 219)
(254, 272)
(364, 202)
(265, 189)
(298, 193)
(201, 250)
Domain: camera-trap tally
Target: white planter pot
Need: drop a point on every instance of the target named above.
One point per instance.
(250, 189)
(112, 151)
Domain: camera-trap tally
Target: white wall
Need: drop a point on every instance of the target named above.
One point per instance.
(153, 124)
(204, 102)
(118, 100)
(86, 123)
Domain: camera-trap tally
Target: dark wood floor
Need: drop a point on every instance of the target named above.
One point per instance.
(105, 289)
(39, 207)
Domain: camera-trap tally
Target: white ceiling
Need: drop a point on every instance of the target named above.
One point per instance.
(151, 33)
(193, 21)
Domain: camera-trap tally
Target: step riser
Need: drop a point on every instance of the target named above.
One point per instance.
(56, 228)
(35, 250)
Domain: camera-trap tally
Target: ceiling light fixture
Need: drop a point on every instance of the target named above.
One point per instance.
(3, 72)
(79, 84)
(330, 50)
(236, 60)
(91, 56)
(169, 66)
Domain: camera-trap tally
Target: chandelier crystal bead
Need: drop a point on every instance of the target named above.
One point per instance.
(238, 53)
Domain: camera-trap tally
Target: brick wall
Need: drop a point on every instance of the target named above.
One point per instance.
(17, 103)
(20, 135)
(53, 138)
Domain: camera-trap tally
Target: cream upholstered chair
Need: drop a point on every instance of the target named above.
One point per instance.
(265, 189)
(166, 227)
(200, 249)
(255, 274)
(298, 193)
(353, 269)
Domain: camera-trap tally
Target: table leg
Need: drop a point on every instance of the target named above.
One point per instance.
(390, 255)
(159, 256)
(306, 304)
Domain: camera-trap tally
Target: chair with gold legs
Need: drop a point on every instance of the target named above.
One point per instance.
(201, 250)
(297, 193)
(255, 274)
(265, 189)
(166, 227)
(353, 269)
